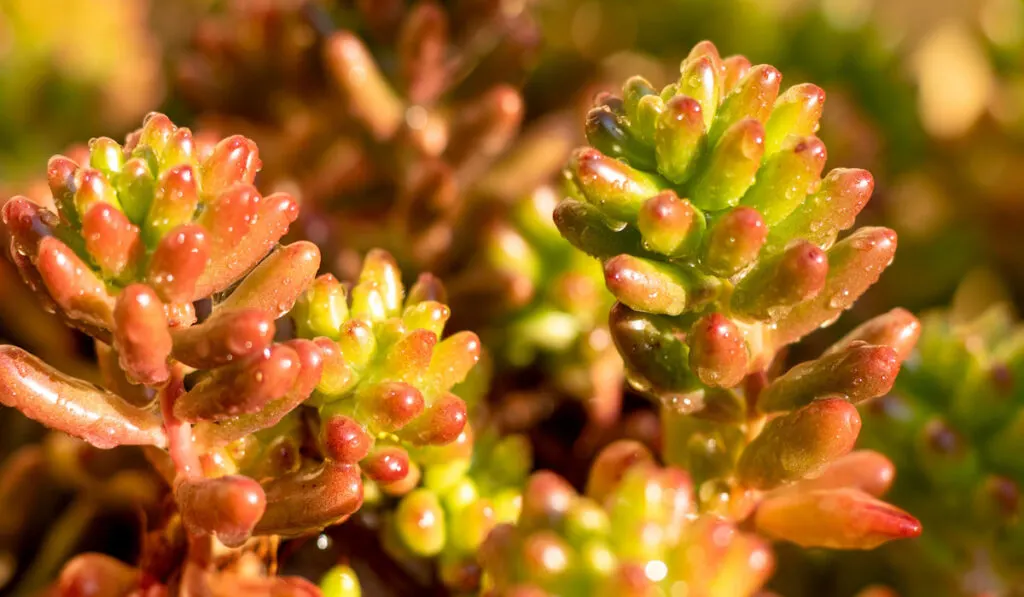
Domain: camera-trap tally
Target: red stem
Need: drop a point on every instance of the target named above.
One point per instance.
(180, 444)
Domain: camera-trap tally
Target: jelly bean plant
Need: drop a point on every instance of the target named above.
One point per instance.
(259, 429)
(705, 203)
(272, 401)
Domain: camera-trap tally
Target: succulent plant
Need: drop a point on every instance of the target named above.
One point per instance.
(745, 240)
(145, 233)
(166, 219)
(718, 238)
(253, 402)
(952, 426)
(387, 379)
(635, 531)
(921, 94)
(452, 500)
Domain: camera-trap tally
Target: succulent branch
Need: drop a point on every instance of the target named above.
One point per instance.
(705, 203)
(387, 375)
(227, 405)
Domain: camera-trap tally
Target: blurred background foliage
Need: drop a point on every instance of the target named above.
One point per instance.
(927, 94)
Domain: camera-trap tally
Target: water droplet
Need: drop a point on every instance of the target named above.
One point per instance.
(839, 299)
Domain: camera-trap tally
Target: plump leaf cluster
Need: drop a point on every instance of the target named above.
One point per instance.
(705, 202)
(141, 233)
(452, 500)
(166, 216)
(150, 230)
(635, 532)
(387, 375)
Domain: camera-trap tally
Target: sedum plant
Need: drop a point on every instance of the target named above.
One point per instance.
(273, 402)
(455, 497)
(258, 430)
(635, 532)
(387, 380)
(719, 238)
